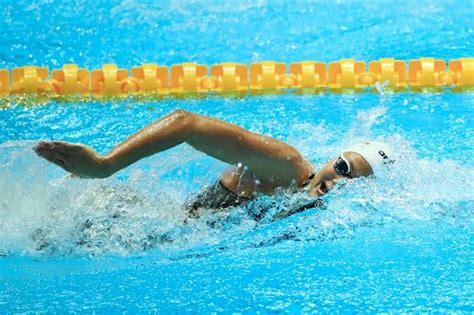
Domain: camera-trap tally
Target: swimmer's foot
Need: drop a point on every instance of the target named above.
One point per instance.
(78, 159)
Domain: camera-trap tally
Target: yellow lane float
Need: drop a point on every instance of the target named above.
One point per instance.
(426, 73)
(230, 77)
(188, 78)
(267, 76)
(346, 75)
(151, 79)
(391, 70)
(462, 71)
(4, 82)
(29, 80)
(70, 80)
(309, 75)
(111, 81)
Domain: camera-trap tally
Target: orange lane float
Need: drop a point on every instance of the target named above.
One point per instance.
(427, 73)
(346, 74)
(112, 81)
(4, 81)
(29, 80)
(151, 78)
(268, 75)
(186, 79)
(391, 70)
(309, 75)
(463, 72)
(70, 80)
(230, 77)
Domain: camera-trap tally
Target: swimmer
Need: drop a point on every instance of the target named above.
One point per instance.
(259, 164)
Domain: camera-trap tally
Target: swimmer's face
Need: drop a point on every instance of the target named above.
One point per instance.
(327, 178)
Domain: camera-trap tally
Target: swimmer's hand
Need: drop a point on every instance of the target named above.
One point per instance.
(78, 159)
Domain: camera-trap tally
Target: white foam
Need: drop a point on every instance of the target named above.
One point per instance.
(43, 212)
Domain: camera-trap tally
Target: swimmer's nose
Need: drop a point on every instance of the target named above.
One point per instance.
(327, 185)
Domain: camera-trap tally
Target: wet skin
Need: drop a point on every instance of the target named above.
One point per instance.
(82, 161)
(326, 178)
(259, 163)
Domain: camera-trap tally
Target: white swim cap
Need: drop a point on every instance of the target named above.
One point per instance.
(377, 154)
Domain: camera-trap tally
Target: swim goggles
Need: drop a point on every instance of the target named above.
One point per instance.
(342, 166)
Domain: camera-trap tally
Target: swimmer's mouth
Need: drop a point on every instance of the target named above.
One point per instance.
(322, 189)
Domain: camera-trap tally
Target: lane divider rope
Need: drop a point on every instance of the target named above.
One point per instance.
(341, 76)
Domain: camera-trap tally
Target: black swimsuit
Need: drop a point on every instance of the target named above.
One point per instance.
(217, 196)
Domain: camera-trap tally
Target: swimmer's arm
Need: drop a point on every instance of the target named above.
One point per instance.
(224, 141)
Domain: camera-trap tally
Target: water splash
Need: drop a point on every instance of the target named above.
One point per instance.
(381, 86)
(140, 210)
(45, 213)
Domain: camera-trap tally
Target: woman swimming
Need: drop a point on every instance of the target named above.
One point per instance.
(260, 164)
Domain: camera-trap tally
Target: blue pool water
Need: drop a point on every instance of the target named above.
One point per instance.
(403, 243)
